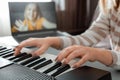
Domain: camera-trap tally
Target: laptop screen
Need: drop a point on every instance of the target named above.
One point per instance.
(26, 17)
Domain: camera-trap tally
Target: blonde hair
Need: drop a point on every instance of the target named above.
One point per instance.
(107, 5)
(39, 15)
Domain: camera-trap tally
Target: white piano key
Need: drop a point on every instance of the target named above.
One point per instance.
(48, 56)
(46, 67)
(23, 60)
(8, 54)
(53, 67)
(29, 60)
(18, 56)
(4, 50)
(43, 64)
(38, 60)
(9, 57)
(4, 62)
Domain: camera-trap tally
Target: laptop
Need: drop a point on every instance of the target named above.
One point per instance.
(33, 19)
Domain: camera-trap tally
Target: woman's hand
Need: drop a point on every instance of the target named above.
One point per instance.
(20, 26)
(85, 54)
(42, 43)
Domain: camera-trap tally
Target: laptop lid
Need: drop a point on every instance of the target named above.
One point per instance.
(31, 17)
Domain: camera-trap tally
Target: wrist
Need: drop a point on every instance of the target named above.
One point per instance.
(104, 56)
(54, 42)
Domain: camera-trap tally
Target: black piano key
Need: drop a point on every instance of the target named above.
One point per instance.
(22, 58)
(61, 69)
(42, 64)
(14, 57)
(55, 66)
(5, 50)
(2, 48)
(36, 62)
(5, 53)
(2, 54)
(8, 55)
(29, 60)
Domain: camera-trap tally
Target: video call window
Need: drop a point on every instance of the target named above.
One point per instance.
(32, 16)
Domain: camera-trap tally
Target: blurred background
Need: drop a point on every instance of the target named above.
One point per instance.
(74, 16)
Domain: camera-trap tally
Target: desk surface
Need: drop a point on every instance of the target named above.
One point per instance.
(115, 74)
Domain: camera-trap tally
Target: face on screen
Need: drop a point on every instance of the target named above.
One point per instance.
(31, 12)
(26, 16)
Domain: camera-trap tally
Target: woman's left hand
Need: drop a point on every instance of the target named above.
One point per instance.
(85, 54)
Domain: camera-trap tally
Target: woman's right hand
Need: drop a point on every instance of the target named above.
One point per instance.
(42, 43)
(20, 26)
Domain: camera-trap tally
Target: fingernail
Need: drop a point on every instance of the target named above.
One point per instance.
(16, 46)
(13, 49)
(14, 54)
(65, 61)
(34, 55)
(56, 59)
(74, 66)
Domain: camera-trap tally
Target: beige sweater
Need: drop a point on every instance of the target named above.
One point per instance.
(105, 24)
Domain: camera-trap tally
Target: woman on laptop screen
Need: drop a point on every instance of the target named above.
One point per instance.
(33, 20)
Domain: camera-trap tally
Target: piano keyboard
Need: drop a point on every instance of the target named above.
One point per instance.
(44, 66)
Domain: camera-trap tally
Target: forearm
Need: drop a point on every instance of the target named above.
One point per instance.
(110, 58)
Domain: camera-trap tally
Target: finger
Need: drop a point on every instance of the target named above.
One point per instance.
(20, 22)
(29, 42)
(16, 28)
(80, 62)
(17, 23)
(73, 55)
(64, 53)
(40, 51)
(17, 50)
(23, 44)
